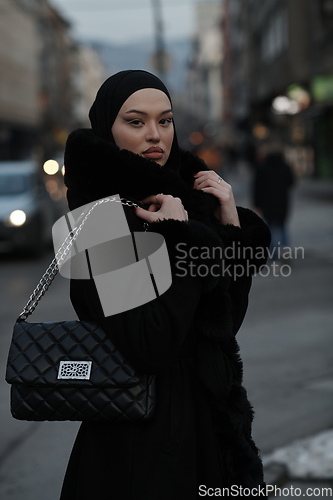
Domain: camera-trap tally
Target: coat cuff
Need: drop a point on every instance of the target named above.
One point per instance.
(193, 248)
(247, 246)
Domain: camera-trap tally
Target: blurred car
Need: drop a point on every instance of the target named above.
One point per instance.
(26, 209)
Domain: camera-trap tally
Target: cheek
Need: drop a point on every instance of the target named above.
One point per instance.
(126, 139)
(170, 140)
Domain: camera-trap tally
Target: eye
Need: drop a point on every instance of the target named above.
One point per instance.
(165, 121)
(136, 122)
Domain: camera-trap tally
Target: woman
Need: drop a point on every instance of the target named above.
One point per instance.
(200, 435)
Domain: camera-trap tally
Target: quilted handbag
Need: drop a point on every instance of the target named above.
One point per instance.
(70, 370)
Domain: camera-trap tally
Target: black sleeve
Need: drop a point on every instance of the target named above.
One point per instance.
(194, 249)
(151, 335)
(246, 251)
(246, 247)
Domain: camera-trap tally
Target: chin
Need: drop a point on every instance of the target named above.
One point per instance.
(162, 161)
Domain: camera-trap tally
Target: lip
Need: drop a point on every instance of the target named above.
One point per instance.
(153, 149)
(153, 153)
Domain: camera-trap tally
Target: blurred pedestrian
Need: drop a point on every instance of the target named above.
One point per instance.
(271, 196)
(200, 436)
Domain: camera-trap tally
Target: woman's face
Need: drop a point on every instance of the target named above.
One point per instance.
(144, 125)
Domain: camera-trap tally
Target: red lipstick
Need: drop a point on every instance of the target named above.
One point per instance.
(153, 153)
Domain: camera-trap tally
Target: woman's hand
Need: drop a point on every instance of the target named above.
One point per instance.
(163, 206)
(210, 182)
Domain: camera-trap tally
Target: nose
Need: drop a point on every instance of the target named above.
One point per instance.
(152, 134)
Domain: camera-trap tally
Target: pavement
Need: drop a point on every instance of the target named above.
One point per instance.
(305, 464)
(302, 467)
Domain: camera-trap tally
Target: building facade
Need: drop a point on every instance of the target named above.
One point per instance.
(283, 49)
(205, 88)
(38, 82)
(19, 84)
(89, 75)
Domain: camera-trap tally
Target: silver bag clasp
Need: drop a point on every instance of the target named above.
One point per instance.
(74, 370)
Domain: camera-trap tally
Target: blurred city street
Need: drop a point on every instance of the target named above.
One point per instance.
(286, 344)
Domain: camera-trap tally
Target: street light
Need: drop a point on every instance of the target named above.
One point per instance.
(282, 105)
(51, 167)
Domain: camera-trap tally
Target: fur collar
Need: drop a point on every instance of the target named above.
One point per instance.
(95, 168)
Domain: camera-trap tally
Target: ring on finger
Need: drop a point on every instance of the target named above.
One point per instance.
(220, 178)
(157, 196)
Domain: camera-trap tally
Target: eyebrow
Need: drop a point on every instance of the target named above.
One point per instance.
(143, 113)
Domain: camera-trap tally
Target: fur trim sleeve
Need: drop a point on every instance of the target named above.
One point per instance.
(193, 249)
(247, 246)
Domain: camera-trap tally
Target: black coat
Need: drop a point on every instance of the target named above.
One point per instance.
(272, 183)
(201, 433)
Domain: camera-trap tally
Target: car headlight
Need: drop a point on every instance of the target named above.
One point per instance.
(17, 218)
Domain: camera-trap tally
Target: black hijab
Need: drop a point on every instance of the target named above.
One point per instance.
(112, 95)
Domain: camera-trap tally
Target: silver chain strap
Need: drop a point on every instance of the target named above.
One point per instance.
(61, 254)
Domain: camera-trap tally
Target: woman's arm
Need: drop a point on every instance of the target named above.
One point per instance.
(246, 251)
(245, 237)
(210, 182)
(151, 335)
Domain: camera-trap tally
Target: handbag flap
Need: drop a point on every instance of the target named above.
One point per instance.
(37, 350)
